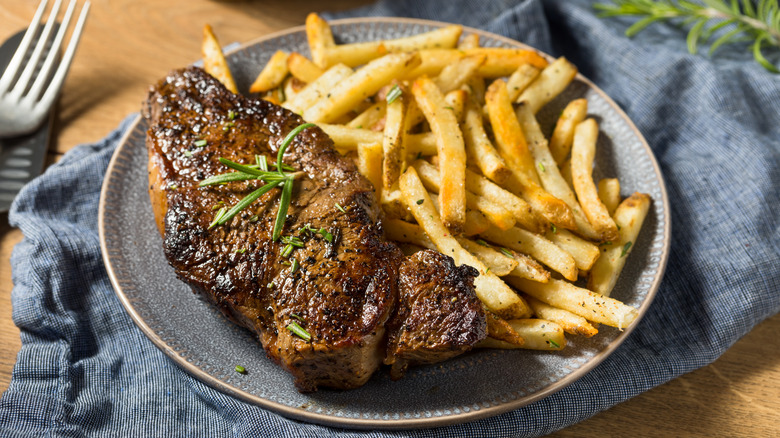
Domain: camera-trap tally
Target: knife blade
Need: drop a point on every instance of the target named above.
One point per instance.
(21, 158)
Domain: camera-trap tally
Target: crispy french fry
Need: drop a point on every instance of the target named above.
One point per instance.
(630, 215)
(454, 76)
(456, 101)
(529, 268)
(348, 138)
(523, 213)
(571, 323)
(499, 329)
(542, 203)
(314, 91)
(520, 80)
(346, 94)
(370, 164)
(585, 253)
(548, 172)
(563, 134)
(496, 214)
(470, 41)
(499, 61)
(394, 140)
(493, 292)
(510, 141)
(319, 36)
(302, 68)
(587, 304)
(479, 149)
(609, 194)
(272, 74)
(402, 231)
(452, 152)
(214, 61)
(550, 83)
(356, 54)
(537, 334)
(582, 154)
(497, 263)
(537, 247)
(370, 116)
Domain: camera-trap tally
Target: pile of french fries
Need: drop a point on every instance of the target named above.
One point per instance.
(447, 133)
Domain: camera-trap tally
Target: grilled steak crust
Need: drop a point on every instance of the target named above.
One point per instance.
(344, 290)
(438, 314)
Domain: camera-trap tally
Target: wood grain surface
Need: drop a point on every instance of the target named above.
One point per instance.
(129, 44)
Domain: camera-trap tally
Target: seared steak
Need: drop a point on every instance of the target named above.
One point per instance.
(343, 290)
(438, 315)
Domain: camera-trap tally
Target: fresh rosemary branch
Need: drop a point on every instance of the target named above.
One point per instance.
(259, 171)
(722, 21)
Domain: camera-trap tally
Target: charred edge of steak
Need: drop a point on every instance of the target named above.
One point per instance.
(438, 314)
(344, 290)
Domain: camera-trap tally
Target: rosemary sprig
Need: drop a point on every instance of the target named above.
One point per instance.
(259, 171)
(732, 21)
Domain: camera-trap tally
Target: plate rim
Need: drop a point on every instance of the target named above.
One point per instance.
(406, 423)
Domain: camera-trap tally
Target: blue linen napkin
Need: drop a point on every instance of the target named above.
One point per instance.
(713, 123)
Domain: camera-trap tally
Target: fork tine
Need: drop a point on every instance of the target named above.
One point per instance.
(40, 45)
(62, 70)
(16, 61)
(43, 75)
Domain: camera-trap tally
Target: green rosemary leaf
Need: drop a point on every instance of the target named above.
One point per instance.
(299, 331)
(250, 198)
(286, 142)
(284, 204)
(393, 94)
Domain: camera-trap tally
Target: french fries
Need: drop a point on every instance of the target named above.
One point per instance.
(451, 150)
(582, 155)
(214, 61)
(630, 215)
(454, 162)
(272, 74)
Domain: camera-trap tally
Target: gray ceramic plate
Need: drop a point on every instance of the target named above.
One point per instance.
(175, 319)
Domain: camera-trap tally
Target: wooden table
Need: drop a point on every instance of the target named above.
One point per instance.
(128, 44)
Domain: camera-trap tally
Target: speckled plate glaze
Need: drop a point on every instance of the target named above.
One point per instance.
(175, 320)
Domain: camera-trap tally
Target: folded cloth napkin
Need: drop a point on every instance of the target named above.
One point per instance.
(713, 123)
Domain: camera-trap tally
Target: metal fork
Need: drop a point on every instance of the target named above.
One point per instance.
(25, 105)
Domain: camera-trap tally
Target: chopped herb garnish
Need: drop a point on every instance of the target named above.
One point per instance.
(487, 270)
(218, 217)
(507, 253)
(324, 233)
(240, 369)
(449, 108)
(541, 166)
(626, 247)
(270, 285)
(188, 154)
(341, 209)
(296, 316)
(295, 266)
(292, 240)
(420, 201)
(231, 114)
(483, 243)
(393, 94)
(608, 242)
(241, 251)
(254, 218)
(554, 228)
(359, 127)
(299, 331)
(553, 343)
(287, 251)
(201, 143)
(257, 172)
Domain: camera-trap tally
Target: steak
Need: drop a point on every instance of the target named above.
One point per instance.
(341, 286)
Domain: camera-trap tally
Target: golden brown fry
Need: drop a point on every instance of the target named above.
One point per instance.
(550, 83)
(349, 92)
(499, 329)
(214, 62)
(510, 141)
(455, 75)
(630, 215)
(523, 213)
(452, 152)
(571, 323)
(496, 214)
(370, 116)
(528, 267)
(537, 247)
(548, 172)
(520, 80)
(470, 41)
(320, 36)
(537, 334)
(272, 74)
(314, 91)
(584, 252)
(563, 134)
(476, 222)
(587, 304)
(582, 154)
(493, 292)
(499, 62)
(348, 138)
(370, 164)
(302, 68)
(479, 149)
(609, 194)
(394, 140)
